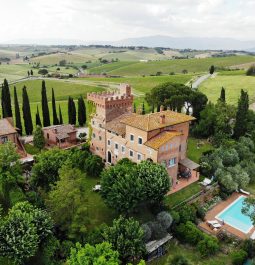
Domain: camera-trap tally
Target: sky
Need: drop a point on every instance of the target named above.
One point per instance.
(111, 20)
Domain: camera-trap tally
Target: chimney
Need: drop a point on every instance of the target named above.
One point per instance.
(161, 108)
(162, 119)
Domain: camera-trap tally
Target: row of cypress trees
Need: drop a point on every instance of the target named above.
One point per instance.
(7, 109)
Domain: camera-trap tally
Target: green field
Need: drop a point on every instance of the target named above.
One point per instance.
(232, 83)
(13, 71)
(55, 58)
(143, 84)
(168, 66)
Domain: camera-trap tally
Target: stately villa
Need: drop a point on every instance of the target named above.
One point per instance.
(162, 137)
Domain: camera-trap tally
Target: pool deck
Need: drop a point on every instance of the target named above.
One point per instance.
(211, 215)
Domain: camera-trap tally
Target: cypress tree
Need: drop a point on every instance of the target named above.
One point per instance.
(60, 115)
(54, 111)
(26, 112)
(71, 111)
(45, 107)
(39, 141)
(6, 100)
(81, 111)
(143, 109)
(242, 115)
(152, 108)
(134, 108)
(17, 112)
(222, 95)
(37, 118)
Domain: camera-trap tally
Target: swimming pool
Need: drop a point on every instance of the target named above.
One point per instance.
(233, 216)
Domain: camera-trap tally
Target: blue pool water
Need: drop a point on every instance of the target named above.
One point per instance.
(233, 216)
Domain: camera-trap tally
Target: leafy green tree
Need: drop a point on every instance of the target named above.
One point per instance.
(39, 141)
(165, 219)
(94, 165)
(212, 69)
(81, 111)
(154, 180)
(174, 96)
(45, 107)
(60, 115)
(71, 214)
(37, 118)
(239, 257)
(248, 208)
(47, 165)
(43, 71)
(22, 231)
(126, 236)
(8, 158)
(251, 71)
(17, 112)
(121, 189)
(242, 115)
(27, 112)
(6, 100)
(125, 186)
(98, 254)
(54, 111)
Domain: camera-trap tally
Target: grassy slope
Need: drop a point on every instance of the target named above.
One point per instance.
(13, 71)
(167, 66)
(232, 83)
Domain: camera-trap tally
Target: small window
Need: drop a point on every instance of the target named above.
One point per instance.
(140, 140)
(94, 136)
(123, 149)
(131, 153)
(172, 162)
(93, 122)
(97, 149)
(100, 125)
(116, 146)
(166, 147)
(108, 142)
(139, 157)
(100, 138)
(180, 148)
(48, 136)
(132, 137)
(4, 139)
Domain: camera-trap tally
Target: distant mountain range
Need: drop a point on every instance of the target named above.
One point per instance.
(155, 41)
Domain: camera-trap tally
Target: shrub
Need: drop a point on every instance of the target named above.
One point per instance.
(249, 246)
(239, 257)
(157, 230)
(208, 246)
(251, 71)
(165, 219)
(187, 213)
(189, 233)
(147, 232)
(179, 260)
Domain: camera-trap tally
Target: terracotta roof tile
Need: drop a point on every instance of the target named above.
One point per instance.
(161, 139)
(116, 126)
(6, 127)
(150, 122)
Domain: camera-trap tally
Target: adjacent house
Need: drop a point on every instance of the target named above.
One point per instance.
(63, 136)
(9, 133)
(160, 137)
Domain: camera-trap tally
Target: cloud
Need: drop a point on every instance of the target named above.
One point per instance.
(117, 19)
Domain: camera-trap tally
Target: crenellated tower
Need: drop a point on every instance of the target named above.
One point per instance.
(109, 105)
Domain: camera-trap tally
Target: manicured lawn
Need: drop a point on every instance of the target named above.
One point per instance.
(195, 153)
(191, 254)
(233, 85)
(179, 196)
